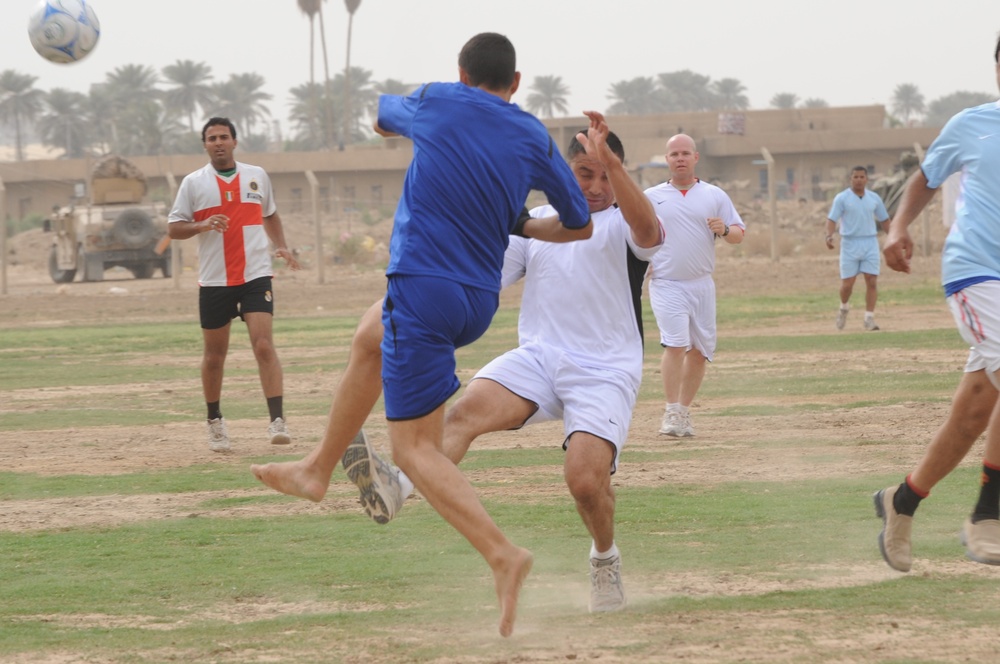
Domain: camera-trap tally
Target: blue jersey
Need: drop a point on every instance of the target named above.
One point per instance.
(857, 214)
(970, 143)
(475, 159)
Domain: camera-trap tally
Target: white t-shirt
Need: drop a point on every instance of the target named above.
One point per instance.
(582, 296)
(689, 249)
(241, 254)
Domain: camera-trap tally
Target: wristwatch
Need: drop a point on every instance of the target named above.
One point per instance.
(724, 234)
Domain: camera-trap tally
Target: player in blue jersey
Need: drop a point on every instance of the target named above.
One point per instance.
(856, 210)
(970, 272)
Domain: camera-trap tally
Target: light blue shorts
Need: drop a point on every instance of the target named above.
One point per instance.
(859, 255)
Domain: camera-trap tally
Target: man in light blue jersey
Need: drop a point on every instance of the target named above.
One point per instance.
(856, 210)
(970, 272)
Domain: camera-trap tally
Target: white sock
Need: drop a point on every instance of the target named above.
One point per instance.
(675, 407)
(869, 315)
(610, 553)
(845, 307)
(405, 485)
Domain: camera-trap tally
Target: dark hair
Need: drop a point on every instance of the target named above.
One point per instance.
(859, 168)
(213, 122)
(576, 147)
(489, 61)
(996, 52)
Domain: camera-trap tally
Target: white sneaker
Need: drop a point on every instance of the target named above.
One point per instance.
(842, 318)
(606, 590)
(218, 436)
(672, 423)
(378, 480)
(277, 431)
(870, 325)
(686, 429)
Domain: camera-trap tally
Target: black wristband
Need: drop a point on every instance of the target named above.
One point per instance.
(522, 219)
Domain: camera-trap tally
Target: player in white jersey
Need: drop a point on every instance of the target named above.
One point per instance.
(970, 273)
(579, 359)
(230, 207)
(857, 211)
(681, 289)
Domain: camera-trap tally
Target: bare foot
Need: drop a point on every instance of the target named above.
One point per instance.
(508, 580)
(295, 478)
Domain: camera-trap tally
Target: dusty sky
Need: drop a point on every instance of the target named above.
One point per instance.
(848, 53)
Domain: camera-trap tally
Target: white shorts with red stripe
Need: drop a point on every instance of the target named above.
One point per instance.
(976, 311)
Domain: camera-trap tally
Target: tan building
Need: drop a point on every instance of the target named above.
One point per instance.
(813, 152)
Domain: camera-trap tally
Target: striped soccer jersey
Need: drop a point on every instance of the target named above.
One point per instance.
(241, 254)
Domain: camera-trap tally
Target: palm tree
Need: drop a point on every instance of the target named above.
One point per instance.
(100, 108)
(354, 86)
(815, 102)
(907, 101)
(19, 102)
(784, 100)
(729, 95)
(940, 110)
(634, 97)
(129, 88)
(241, 99)
(190, 90)
(352, 6)
(548, 96)
(62, 125)
(305, 113)
(686, 91)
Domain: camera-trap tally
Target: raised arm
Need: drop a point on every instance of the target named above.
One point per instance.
(898, 249)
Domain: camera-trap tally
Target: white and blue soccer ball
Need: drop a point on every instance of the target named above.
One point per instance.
(64, 30)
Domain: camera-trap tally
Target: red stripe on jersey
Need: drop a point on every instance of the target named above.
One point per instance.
(240, 215)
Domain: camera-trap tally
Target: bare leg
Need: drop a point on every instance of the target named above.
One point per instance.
(871, 291)
(587, 470)
(484, 407)
(694, 373)
(416, 448)
(354, 399)
(846, 288)
(672, 372)
(213, 361)
(260, 328)
(974, 402)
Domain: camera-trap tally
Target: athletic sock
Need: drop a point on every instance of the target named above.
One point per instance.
(988, 506)
(674, 407)
(845, 307)
(907, 499)
(405, 485)
(610, 553)
(869, 315)
(214, 412)
(274, 407)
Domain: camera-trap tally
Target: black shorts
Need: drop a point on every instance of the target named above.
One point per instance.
(218, 305)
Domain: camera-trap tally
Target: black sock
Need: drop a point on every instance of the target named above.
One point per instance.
(274, 407)
(988, 506)
(214, 412)
(906, 501)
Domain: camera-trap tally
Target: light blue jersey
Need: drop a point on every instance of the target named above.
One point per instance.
(970, 143)
(856, 215)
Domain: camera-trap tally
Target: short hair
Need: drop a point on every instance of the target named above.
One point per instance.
(576, 147)
(996, 52)
(859, 168)
(489, 61)
(213, 122)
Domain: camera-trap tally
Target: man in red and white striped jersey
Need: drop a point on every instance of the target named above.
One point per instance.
(230, 207)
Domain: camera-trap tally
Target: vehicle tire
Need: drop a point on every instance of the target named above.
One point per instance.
(134, 228)
(59, 276)
(142, 270)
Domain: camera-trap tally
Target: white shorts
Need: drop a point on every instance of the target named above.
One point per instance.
(685, 313)
(859, 255)
(589, 399)
(976, 311)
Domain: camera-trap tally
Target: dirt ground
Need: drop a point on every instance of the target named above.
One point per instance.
(806, 266)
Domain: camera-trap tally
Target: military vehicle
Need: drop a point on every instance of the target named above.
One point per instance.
(114, 227)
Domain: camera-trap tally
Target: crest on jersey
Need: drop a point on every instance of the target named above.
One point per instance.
(253, 185)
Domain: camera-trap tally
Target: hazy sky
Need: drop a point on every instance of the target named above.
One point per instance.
(848, 53)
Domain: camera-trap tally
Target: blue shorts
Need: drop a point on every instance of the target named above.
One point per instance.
(859, 255)
(425, 319)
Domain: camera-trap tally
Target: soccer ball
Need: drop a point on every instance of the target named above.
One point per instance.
(64, 30)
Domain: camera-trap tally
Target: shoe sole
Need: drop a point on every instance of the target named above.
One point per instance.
(219, 448)
(281, 439)
(357, 462)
